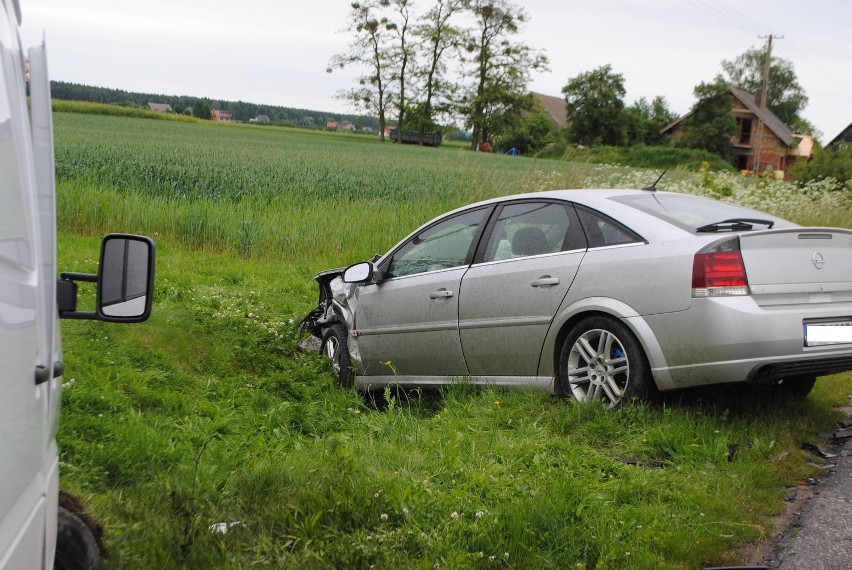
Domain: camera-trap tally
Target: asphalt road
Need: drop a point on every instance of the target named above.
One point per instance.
(821, 535)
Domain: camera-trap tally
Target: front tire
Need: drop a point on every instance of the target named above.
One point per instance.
(335, 346)
(601, 359)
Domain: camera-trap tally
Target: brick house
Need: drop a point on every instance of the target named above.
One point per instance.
(779, 148)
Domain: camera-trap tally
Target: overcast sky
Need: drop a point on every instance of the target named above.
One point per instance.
(276, 51)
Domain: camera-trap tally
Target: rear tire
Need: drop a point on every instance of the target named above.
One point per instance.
(797, 386)
(335, 346)
(601, 359)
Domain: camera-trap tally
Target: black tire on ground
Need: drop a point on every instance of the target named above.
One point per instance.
(602, 359)
(797, 386)
(335, 346)
(76, 547)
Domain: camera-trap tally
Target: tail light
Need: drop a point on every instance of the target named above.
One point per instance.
(718, 271)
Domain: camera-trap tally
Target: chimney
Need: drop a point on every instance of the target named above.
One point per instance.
(758, 97)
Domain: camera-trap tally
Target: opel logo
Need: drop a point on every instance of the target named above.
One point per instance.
(818, 260)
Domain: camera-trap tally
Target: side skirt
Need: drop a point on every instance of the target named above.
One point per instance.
(543, 383)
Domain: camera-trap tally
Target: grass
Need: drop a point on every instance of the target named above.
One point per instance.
(209, 412)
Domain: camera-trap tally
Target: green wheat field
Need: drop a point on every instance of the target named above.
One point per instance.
(209, 413)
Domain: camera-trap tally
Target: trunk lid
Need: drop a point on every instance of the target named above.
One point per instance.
(798, 265)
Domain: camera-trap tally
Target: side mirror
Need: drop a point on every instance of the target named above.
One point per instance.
(125, 282)
(358, 273)
(126, 278)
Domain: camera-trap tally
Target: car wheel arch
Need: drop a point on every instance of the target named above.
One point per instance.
(566, 319)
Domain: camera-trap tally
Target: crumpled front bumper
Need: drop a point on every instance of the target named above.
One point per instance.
(336, 305)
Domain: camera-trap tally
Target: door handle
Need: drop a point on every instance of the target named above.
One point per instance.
(545, 281)
(441, 294)
(42, 373)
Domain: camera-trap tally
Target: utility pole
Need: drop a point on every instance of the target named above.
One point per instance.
(764, 94)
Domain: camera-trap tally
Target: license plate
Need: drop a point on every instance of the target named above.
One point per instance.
(825, 333)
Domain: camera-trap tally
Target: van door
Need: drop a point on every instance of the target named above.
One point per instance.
(23, 403)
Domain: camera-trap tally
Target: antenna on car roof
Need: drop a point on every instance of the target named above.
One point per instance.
(653, 187)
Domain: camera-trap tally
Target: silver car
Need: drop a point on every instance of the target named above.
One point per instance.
(594, 294)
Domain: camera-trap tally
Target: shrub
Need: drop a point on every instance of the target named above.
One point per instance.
(835, 164)
(641, 156)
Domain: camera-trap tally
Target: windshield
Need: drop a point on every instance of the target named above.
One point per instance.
(692, 212)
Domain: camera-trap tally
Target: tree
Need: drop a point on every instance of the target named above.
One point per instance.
(201, 109)
(401, 54)
(644, 121)
(500, 68)
(534, 131)
(710, 126)
(369, 49)
(786, 96)
(437, 37)
(595, 106)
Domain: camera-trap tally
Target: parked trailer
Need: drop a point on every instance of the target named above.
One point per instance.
(415, 137)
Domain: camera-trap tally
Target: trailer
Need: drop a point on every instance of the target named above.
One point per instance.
(416, 137)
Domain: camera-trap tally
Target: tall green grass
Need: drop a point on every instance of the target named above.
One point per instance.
(287, 194)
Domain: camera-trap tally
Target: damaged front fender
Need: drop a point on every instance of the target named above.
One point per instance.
(336, 304)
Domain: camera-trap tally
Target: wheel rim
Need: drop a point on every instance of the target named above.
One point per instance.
(598, 367)
(332, 351)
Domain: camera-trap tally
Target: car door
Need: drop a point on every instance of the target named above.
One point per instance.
(410, 318)
(526, 263)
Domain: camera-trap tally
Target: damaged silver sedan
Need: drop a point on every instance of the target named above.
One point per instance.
(594, 294)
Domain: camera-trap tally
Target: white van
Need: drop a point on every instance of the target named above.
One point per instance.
(31, 301)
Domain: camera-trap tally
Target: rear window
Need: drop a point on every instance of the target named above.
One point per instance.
(692, 212)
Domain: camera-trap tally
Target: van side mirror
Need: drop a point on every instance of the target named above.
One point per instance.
(125, 282)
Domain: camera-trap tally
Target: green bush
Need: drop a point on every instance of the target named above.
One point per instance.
(641, 156)
(836, 164)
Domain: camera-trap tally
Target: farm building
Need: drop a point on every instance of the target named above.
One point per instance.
(841, 141)
(779, 148)
(161, 107)
(554, 107)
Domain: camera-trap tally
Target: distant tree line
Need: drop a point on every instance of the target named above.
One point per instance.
(242, 111)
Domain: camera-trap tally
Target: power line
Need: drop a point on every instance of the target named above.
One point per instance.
(738, 16)
(727, 15)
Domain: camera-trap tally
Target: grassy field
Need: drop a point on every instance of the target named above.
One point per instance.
(209, 413)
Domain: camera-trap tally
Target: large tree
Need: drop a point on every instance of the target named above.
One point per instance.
(369, 48)
(499, 66)
(595, 106)
(437, 38)
(402, 54)
(644, 121)
(201, 109)
(786, 96)
(710, 125)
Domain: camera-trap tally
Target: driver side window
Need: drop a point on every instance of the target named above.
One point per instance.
(440, 246)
